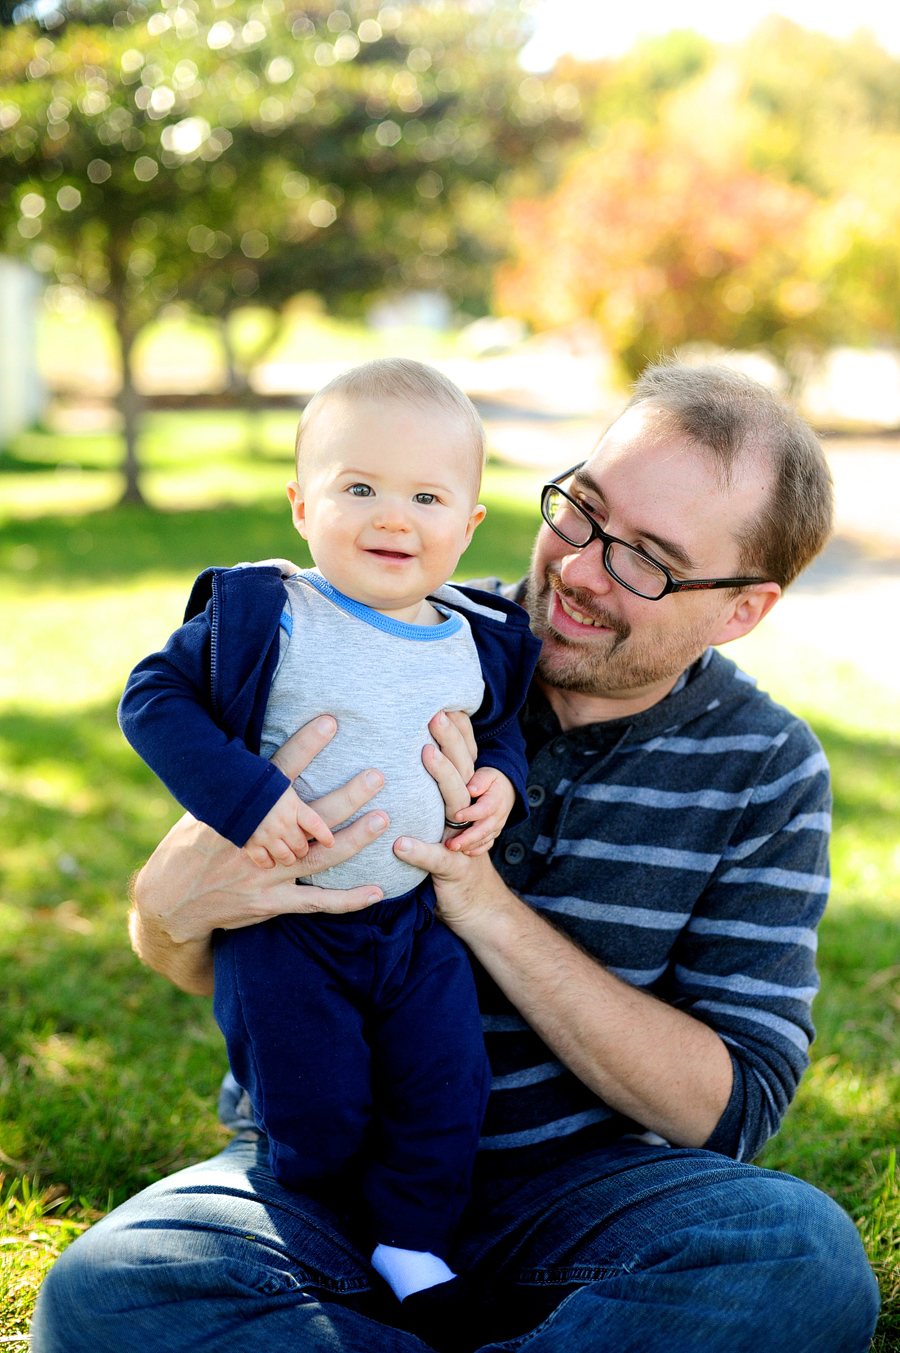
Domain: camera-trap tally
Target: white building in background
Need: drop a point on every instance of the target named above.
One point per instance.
(22, 393)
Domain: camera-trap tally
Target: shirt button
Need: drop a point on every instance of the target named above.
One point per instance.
(514, 853)
(558, 747)
(536, 795)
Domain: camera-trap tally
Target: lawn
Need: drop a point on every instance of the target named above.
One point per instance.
(108, 1075)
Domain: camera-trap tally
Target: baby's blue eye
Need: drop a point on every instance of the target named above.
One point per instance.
(425, 498)
(359, 490)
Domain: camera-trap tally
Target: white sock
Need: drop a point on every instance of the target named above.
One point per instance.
(408, 1271)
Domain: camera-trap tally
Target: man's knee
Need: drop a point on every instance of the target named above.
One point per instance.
(166, 1290)
(795, 1262)
(834, 1280)
(111, 1277)
(68, 1297)
(774, 1249)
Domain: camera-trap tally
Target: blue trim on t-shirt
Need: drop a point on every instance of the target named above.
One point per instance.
(286, 622)
(399, 628)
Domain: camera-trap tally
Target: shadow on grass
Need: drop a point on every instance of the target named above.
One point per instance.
(124, 542)
(13, 463)
(167, 438)
(107, 1073)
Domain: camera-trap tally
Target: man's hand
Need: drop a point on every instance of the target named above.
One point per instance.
(460, 881)
(285, 832)
(196, 882)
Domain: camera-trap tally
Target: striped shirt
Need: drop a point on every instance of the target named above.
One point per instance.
(686, 848)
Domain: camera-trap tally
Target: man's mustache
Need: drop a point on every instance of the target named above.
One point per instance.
(586, 604)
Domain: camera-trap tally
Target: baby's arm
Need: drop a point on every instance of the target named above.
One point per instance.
(165, 714)
(493, 798)
(284, 834)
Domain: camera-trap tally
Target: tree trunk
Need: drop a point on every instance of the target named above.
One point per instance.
(253, 405)
(129, 401)
(255, 402)
(235, 382)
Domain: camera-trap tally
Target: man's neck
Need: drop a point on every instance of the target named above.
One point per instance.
(574, 709)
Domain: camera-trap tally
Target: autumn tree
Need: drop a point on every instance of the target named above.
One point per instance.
(659, 247)
(745, 196)
(827, 117)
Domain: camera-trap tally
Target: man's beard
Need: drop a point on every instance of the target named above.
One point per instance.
(608, 664)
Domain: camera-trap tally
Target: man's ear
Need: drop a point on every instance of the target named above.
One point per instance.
(476, 519)
(746, 611)
(298, 507)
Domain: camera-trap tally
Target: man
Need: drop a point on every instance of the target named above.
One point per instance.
(643, 947)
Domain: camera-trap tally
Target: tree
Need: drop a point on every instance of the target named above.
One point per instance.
(743, 195)
(262, 150)
(659, 247)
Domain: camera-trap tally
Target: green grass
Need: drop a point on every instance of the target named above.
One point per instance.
(108, 1075)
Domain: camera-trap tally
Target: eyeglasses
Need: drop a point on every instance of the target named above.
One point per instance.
(629, 566)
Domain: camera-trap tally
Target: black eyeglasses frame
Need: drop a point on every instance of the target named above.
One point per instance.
(597, 533)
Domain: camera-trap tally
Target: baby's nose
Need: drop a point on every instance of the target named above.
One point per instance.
(392, 516)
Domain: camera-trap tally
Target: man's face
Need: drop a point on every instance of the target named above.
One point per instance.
(648, 486)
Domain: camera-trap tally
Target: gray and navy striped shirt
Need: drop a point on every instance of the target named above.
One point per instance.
(687, 849)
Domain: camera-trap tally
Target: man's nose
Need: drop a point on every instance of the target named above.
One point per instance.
(586, 569)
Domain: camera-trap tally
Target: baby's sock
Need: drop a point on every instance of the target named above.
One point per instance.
(408, 1271)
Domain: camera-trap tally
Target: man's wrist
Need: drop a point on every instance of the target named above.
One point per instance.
(481, 907)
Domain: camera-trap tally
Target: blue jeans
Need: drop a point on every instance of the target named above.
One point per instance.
(630, 1249)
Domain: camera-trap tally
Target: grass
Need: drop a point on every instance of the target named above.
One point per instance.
(108, 1075)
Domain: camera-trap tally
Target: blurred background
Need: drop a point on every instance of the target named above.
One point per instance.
(207, 209)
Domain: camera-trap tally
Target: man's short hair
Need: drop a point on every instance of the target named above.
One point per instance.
(410, 382)
(732, 417)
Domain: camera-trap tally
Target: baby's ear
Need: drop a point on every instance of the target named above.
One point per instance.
(476, 519)
(298, 507)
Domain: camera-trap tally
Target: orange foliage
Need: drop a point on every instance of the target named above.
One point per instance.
(660, 247)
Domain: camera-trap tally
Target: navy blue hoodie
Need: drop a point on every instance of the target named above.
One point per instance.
(194, 711)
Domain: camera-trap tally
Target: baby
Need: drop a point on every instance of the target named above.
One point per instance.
(356, 1034)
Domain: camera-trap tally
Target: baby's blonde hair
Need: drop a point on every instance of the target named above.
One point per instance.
(410, 382)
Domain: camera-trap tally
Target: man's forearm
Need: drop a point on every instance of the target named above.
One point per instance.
(666, 1070)
(188, 965)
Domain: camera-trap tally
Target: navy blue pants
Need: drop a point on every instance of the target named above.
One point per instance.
(358, 1039)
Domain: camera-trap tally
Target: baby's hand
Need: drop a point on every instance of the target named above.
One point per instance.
(284, 834)
(493, 797)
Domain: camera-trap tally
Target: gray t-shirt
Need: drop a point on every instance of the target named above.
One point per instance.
(383, 680)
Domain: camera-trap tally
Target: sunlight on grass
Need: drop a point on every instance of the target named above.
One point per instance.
(31, 1237)
(65, 671)
(794, 673)
(70, 493)
(78, 350)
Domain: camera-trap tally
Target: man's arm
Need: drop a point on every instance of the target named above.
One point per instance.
(752, 975)
(656, 1064)
(196, 882)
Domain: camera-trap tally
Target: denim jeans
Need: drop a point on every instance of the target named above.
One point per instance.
(631, 1249)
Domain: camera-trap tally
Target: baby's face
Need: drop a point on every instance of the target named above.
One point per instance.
(387, 502)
